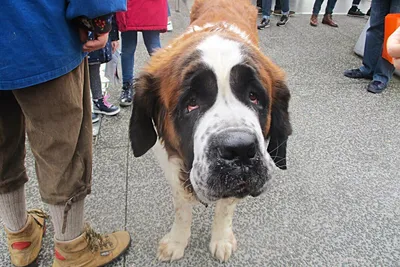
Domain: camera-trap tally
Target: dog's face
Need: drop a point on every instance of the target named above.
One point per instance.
(222, 108)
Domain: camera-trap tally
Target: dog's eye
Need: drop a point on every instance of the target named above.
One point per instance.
(192, 105)
(253, 98)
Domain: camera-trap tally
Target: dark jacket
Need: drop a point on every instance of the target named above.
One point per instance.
(105, 54)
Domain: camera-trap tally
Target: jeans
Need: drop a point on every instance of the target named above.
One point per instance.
(373, 62)
(129, 42)
(266, 7)
(329, 7)
(169, 11)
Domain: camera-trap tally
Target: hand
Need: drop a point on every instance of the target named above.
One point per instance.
(114, 45)
(92, 45)
(393, 47)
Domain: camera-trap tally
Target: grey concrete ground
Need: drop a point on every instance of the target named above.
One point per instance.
(338, 204)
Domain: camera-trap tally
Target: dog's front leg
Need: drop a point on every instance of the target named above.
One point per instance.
(172, 245)
(223, 241)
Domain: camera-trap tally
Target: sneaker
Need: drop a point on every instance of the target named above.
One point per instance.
(282, 22)
(91, 249)
(291, 13)
(95, 118)
(101, 106)
(24, 246)
(355, 12)
(170, 28)
(265, 23)
(376, 87)
(126, 97)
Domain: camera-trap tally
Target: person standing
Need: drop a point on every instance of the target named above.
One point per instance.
(148, 17)
(266, 14)
(374, 66)
(45, 93)
(328, 13)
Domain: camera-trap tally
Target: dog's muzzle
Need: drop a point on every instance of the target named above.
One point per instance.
(237, 167)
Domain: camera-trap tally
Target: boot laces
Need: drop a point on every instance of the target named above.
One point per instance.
(39, 213)
(95, 240)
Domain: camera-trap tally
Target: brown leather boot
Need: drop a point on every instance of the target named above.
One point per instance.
(91, 249)
(328, 20)
(24, 245)
(314, 20)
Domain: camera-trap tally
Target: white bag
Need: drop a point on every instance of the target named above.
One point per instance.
(112, 69)
(359, 47)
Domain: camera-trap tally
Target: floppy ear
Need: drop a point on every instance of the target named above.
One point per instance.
(280, 127)
(141, 130)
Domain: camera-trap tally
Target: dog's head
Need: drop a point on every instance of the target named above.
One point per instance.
(218, 104)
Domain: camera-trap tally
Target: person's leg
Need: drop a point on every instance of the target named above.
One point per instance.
(151, 41)
(328, 14)
(266, 14)
(100, 103)
(170, 28)
(383, 71)
(12, 157)
(315, 12)
(278, 6)
(95, 81)
(285, 13)
(317, 7)
(62, 148)
(266, 8)
(128, 48)
(374, 38)
(330, 6)
(354, 11)
(129, 42)
(63, 154)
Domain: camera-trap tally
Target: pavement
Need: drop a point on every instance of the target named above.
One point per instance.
(338, 204)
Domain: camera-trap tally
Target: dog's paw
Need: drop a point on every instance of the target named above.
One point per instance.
(170, 249)
(222, 249)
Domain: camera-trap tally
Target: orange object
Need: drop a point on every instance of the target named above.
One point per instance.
(392, 22)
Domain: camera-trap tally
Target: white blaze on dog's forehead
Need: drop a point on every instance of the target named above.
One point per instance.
(221, 55)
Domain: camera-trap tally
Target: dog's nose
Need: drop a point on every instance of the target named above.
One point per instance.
(237, 145)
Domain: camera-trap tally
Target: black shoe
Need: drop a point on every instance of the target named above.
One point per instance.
(282, 22)
(101, 106)
(356, 74)
(369, 12)
(376, 87)
(126, 97)
(95, 118)
(264, 24)
(355, 12)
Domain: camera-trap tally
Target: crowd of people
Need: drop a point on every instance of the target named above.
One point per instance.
(49, 83)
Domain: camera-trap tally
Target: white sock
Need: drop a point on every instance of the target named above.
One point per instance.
(74, 223)
(13, 209)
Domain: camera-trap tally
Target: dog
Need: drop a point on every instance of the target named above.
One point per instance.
(214, 110)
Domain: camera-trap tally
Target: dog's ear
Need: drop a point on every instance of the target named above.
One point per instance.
(280, 127)
(141, 130)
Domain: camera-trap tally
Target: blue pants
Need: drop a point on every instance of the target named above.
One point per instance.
(266, 7)
(129, 42)
(373, 63)
(329, 7)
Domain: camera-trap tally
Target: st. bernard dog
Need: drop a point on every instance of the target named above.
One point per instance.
(215, 111)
